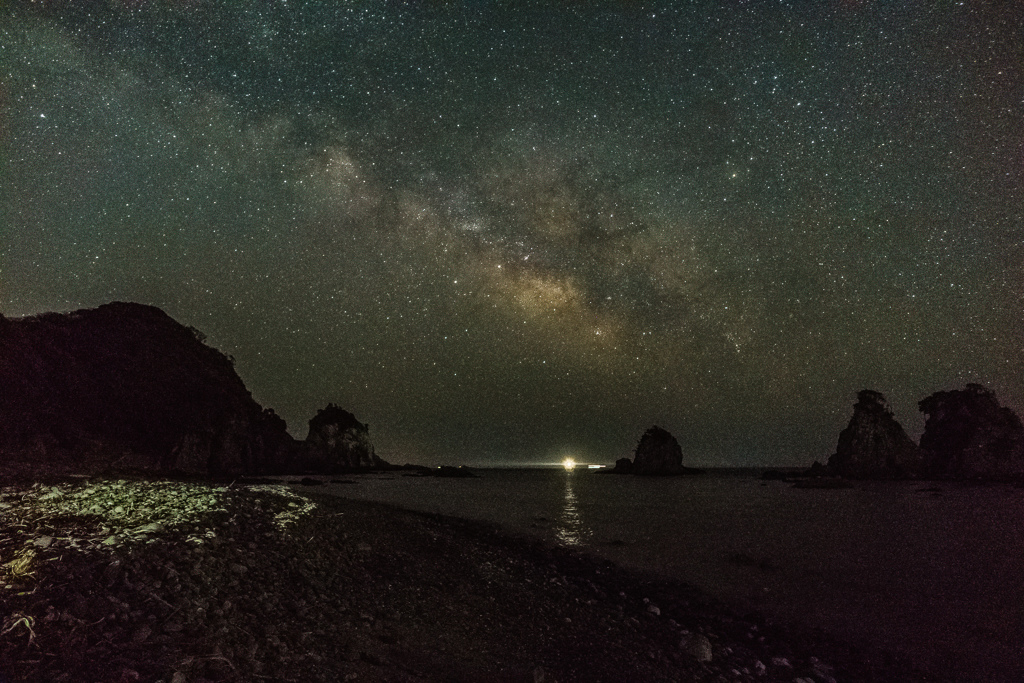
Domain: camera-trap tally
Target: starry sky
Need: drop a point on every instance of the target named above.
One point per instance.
(506, 232)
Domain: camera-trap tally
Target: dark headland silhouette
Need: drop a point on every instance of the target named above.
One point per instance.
(124, 386)
(967, 435)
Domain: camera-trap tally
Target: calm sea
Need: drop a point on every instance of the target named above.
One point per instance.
(935, 571)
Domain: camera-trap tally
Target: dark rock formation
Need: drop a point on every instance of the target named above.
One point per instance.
(125, 386)
(817, 470)
(623, 466)
(967, 434)
(874, 445)
(657, 453)
(338, 442)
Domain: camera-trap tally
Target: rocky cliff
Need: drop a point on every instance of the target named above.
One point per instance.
(125, 386)
(337, 442)
(967, 434)
(874, 445)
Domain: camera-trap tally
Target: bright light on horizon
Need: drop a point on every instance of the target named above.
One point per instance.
(569, 464)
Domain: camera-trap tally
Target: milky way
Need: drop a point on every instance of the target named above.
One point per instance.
(502, 232)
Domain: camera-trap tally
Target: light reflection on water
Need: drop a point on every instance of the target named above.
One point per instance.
(571, 531)
(911, 568)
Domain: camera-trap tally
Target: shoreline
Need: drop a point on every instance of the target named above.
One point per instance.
(163, 580)
(923, 571)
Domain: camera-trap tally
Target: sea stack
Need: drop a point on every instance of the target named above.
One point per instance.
(967, 434)
(338, 442)
(657, 453)
(874, 445)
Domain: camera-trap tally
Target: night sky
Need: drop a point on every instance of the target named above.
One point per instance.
(512, 231)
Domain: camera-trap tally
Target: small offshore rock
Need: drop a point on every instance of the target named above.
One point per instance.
(698, 647)
(657, 453)
(654, 610)
(781, 661)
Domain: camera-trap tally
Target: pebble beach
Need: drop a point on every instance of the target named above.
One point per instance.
(120, 579)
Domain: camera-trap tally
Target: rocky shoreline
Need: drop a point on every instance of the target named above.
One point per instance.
(136, 579)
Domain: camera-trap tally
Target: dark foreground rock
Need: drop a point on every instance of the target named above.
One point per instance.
(874, 445)
(125, 386)
(179, 582)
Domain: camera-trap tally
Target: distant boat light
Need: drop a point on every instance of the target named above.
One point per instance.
(594, 467)
(569, 464)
